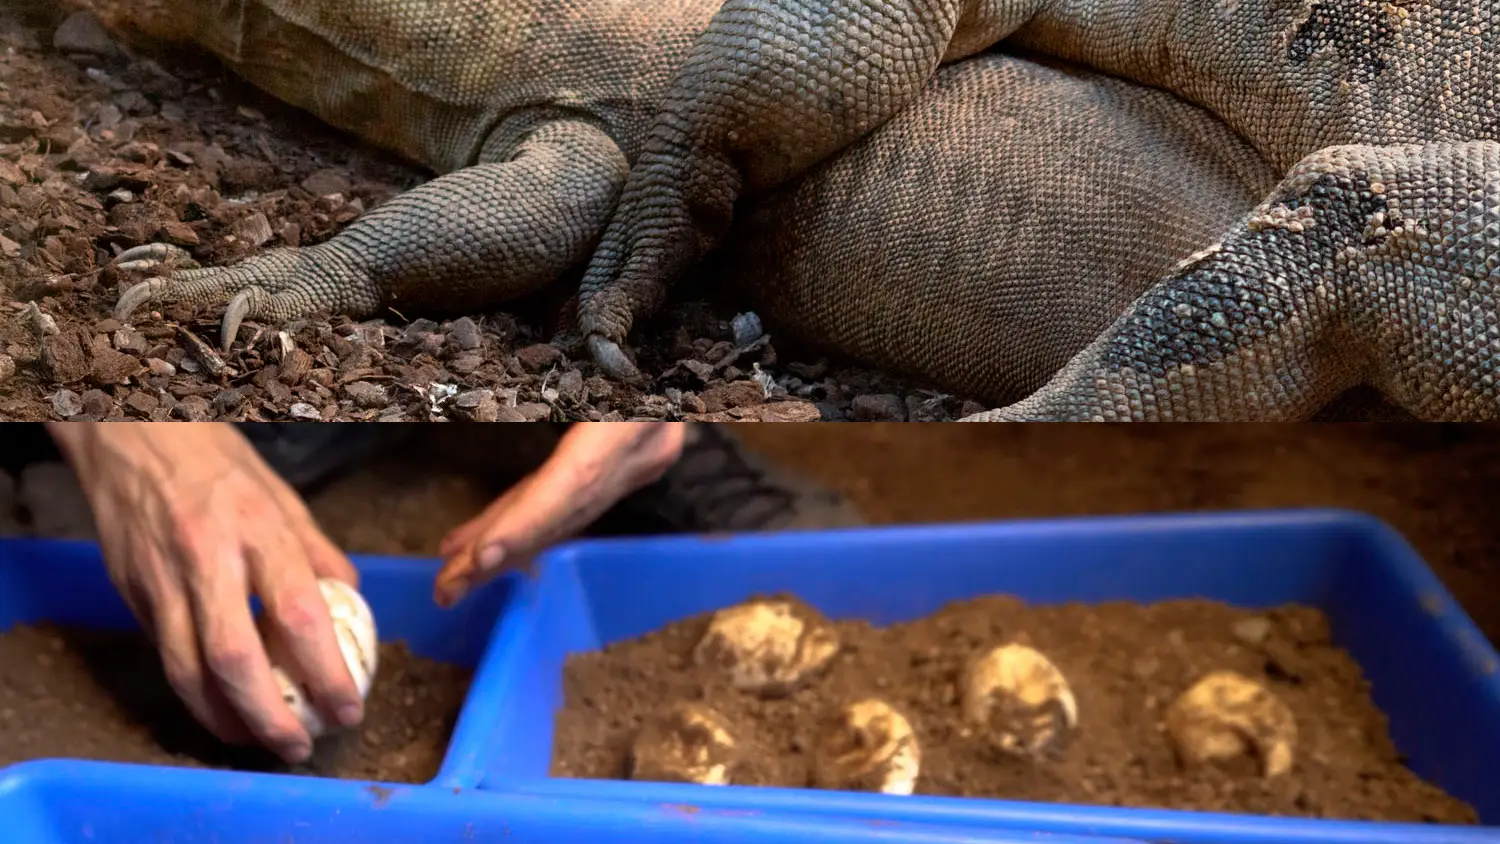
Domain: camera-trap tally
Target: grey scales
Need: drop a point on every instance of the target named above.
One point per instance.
(1135, 209)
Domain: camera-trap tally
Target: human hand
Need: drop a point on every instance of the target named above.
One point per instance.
(593, 467)
(191, 522)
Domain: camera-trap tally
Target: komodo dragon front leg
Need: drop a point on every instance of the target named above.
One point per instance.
(776, 86)
(491, 232)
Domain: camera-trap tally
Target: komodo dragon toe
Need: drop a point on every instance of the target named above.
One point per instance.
(275, 286)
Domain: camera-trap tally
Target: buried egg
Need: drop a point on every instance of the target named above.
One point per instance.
(685, 742)
(1227, 716)
(1018, 700)
(867, 746)
(768, 647)
(354, 627)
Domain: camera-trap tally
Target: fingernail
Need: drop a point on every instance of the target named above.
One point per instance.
(447, 595)
(298, 753)
(350, 714)
(491, 556)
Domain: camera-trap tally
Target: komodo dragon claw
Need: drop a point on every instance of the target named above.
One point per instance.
(613, 361)
(276, 286)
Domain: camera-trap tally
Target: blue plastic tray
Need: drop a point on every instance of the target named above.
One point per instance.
(1417, 647)
(90, 803)
(65, 583)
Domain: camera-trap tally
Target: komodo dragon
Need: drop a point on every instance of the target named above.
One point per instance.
(1033, 120)
(531, 109)
(1375, 260)
(1054, 198)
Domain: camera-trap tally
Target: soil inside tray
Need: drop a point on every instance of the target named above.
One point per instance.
(1126, 663)
(102, 695)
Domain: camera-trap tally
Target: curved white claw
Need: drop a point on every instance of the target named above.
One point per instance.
(868, 746)
(611, 360)
(1227, 715)
(1018, 700)
(149, 255)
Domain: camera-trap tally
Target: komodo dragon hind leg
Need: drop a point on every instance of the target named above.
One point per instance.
(770, 89)
(1376, 265)
(470, 240)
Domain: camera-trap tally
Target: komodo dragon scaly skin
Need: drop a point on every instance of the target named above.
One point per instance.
(532, 109)
(1375, 259)
(1059, 195)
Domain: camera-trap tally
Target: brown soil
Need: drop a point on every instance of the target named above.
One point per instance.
(102, 150)
(90, 695)
(1125, 663)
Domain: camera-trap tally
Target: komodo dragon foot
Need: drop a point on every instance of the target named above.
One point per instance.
(468, 241)
(1367, 265)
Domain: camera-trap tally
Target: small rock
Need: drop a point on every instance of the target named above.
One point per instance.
(66, 404)
(747, 328)
(97, 403)
(64, 357)
(570, 385)
(478, 405)
(82, 33)
(9, 248)
(7, 367)
(534, 411)
(790, 411)
(112, 367)
(702, 371)
(1252, 631)
(366, 394)
(735, 394)
(467, 364)
(178, 234)
(228, 401)
(130, 341)
(160, 367)
(142, 402)
(326, 183)
(254, 229)
(304, 411)
(539, 356)
(881, 407)
(195, 409)
(465, 333)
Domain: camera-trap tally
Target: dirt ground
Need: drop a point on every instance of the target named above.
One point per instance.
(1125, 664)
(100, 151)
(90, 695)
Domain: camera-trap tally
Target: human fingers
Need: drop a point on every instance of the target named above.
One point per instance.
(593, 467)
(233, 651)
(303, 628)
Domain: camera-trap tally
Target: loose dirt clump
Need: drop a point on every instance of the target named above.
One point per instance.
(1125, 666)
(98, 695)
(102, 150)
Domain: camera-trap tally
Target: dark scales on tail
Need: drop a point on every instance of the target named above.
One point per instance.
(1362, 32)
(1228, 301)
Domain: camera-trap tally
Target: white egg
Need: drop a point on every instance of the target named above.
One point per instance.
(767, 647)
(1227, 715)
(1019, 701)
(868, 746)
(354, 625)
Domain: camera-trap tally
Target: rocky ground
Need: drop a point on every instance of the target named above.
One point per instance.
(101, 150)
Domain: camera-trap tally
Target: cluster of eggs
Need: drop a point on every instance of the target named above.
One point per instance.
(1011, 695)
